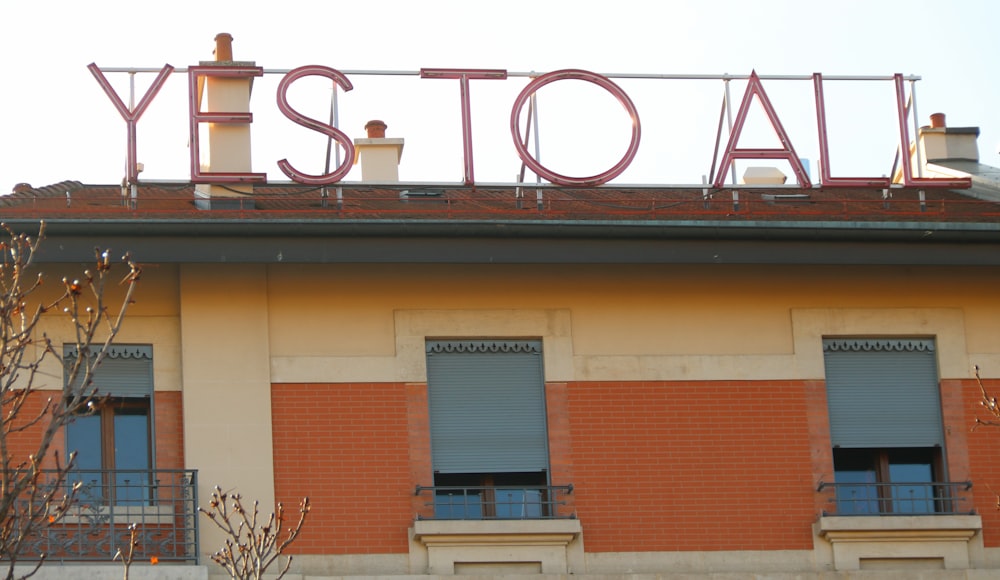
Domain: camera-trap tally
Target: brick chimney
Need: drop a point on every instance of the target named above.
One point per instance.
(226, 149)
(379, 156)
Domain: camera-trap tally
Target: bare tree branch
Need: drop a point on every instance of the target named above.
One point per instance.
(989, 402)
(31, 501)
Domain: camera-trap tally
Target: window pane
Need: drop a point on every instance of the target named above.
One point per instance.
(83, 436)
(911, 467)
(518, 503)
(854, 472)
(131, 456)
(132, 440)
(455, 505)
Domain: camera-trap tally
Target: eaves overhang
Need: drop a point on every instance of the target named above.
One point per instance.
(244, 240)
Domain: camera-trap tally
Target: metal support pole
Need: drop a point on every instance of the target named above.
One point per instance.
(916, 129)
(538, 149)
(729, 122)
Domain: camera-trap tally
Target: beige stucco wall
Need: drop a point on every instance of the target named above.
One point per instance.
(720, 565)
(152, 318)
(227, 387)
(621, 322)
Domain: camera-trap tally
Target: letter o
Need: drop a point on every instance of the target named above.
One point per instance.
(599, 80)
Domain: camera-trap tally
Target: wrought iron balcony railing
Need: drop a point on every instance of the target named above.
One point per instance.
(161, 503)
(899, 499)
(523, 502)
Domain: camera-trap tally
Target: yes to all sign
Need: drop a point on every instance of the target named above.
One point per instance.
(464, 77)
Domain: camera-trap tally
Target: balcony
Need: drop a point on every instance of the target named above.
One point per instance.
(909, 526)
(496, 530)
(899, 499)
(496, 502)
(162, 503)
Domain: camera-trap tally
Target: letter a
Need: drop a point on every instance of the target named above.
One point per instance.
(787, 152)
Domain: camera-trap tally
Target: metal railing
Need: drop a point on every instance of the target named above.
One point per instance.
(522, 502)
(161, 503)
(898, 499)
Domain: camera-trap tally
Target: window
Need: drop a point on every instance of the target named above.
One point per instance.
(489, 441)
(114, 439)
(885, 426)
(474, 496)
(909, 471)
(114, 442)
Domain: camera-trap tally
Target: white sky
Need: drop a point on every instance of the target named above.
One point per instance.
(57, 124)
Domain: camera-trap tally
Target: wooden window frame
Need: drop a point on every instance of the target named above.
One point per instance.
(106, 409)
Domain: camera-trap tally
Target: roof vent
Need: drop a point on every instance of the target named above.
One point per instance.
(764, 176)
(421, 194)
(773, 197)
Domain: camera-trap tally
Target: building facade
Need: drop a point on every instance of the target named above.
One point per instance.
(611, 382)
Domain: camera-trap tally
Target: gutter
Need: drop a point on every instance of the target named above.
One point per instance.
(524, 242)
(598, 229)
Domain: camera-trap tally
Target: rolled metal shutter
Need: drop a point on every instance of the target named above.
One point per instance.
(126, 371)
(883, 393)
(487, 406)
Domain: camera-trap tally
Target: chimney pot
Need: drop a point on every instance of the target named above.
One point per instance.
(376, 129)
(937, 121)
(223, 47)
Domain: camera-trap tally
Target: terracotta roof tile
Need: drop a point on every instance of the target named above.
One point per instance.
(293, 202)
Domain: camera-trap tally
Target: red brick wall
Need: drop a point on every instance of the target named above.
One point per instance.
(561, 456)
(421, 466)
(346, 446)
(25, 443)
(820, 445)
(168, 420)
(984, 456)
(710, 465)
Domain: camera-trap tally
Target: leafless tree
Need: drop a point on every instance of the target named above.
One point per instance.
(250, 549)
(35, 495)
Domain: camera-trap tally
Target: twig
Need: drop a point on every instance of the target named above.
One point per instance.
(250, 550)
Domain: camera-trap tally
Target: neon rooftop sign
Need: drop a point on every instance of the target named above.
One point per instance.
(464, 78)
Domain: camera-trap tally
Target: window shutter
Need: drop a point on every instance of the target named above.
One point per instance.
(883, 392)
(487, 406)
(126, 371)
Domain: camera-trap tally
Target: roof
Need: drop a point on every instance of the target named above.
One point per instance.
(72, 200)
(985, 178)
(318, 227)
